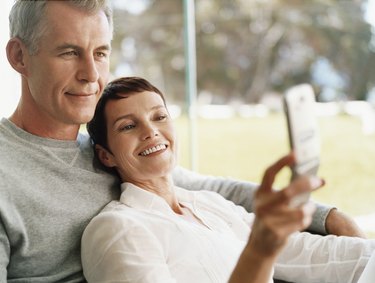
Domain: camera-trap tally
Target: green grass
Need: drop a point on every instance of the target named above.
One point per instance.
(243, 147)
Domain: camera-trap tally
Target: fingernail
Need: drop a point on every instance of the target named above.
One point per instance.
(315, 182)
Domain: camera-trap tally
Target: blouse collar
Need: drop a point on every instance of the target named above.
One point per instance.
(139, 198)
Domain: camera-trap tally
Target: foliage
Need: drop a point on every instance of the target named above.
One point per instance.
(246, 49)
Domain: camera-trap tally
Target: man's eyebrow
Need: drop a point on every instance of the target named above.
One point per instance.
(68, 46)
(105, 47)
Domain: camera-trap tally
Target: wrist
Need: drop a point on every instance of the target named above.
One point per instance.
(253, 266)
(264, 242)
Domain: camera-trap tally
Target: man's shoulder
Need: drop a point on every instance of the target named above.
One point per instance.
(4, 130)
(8, 143)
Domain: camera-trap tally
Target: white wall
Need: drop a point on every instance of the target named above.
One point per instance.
(10, 85)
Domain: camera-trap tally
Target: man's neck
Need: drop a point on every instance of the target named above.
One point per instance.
(38, 127)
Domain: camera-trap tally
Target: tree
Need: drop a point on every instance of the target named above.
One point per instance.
(247, 48)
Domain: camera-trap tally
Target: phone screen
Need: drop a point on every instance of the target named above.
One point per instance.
(300, 108)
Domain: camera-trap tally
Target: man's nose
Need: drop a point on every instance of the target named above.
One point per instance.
(88, 70)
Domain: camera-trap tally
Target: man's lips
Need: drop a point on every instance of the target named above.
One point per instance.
(81, 94)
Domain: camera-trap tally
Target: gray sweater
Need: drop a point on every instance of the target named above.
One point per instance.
(50, 190)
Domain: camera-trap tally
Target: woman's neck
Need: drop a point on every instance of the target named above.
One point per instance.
(164, 188)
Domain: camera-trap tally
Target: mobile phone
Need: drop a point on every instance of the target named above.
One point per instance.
(303, 130)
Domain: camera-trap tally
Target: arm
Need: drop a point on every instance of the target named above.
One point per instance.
(340, 224)
(323, 259)
(239, 192)
(275, 221)
(4, 253)
(330, 221)
(326, 219)
(252, 267)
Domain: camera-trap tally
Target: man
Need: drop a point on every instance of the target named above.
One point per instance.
(50, 189)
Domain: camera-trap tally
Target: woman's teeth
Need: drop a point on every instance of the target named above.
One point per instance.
(153, 149)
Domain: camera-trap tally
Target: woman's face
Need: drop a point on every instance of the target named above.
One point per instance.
(141, 137)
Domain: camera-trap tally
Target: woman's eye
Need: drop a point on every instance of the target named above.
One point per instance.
(162, 117)
(70, 53)
(127, 127)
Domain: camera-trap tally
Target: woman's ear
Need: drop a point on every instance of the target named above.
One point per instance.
(105, 156)
(16, 54)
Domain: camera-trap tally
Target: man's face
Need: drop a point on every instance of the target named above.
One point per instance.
(68, 73)
(141, 137)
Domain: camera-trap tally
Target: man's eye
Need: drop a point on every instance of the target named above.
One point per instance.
(101, 54)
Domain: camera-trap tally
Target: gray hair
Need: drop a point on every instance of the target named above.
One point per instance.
(26, 19)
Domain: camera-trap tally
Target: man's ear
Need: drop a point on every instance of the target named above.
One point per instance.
(16, 54)
(105, 156)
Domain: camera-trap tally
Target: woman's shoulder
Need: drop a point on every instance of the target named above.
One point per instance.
(207, 199)
(117, 213)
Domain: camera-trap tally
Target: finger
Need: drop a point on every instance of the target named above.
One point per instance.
(272, 202)
(316, 182)
(282, 210)
(298, 191)
(289, 220)
(308, 209)
(294, 195)
(271, 172)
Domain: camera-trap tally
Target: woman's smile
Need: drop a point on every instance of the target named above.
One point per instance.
(158, 148)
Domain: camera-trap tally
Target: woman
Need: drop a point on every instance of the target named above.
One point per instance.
(158, 232)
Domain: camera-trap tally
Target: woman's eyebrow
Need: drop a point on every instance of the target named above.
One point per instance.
(122, 117)
(127, 116)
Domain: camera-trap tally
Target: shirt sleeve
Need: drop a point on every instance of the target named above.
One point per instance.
(4, 253)
(240, 192)
(116, 250)
(323, 258)
(318, 224)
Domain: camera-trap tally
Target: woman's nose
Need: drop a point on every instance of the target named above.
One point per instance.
(149, 131)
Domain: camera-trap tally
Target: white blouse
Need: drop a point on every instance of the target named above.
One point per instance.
(140, 239)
